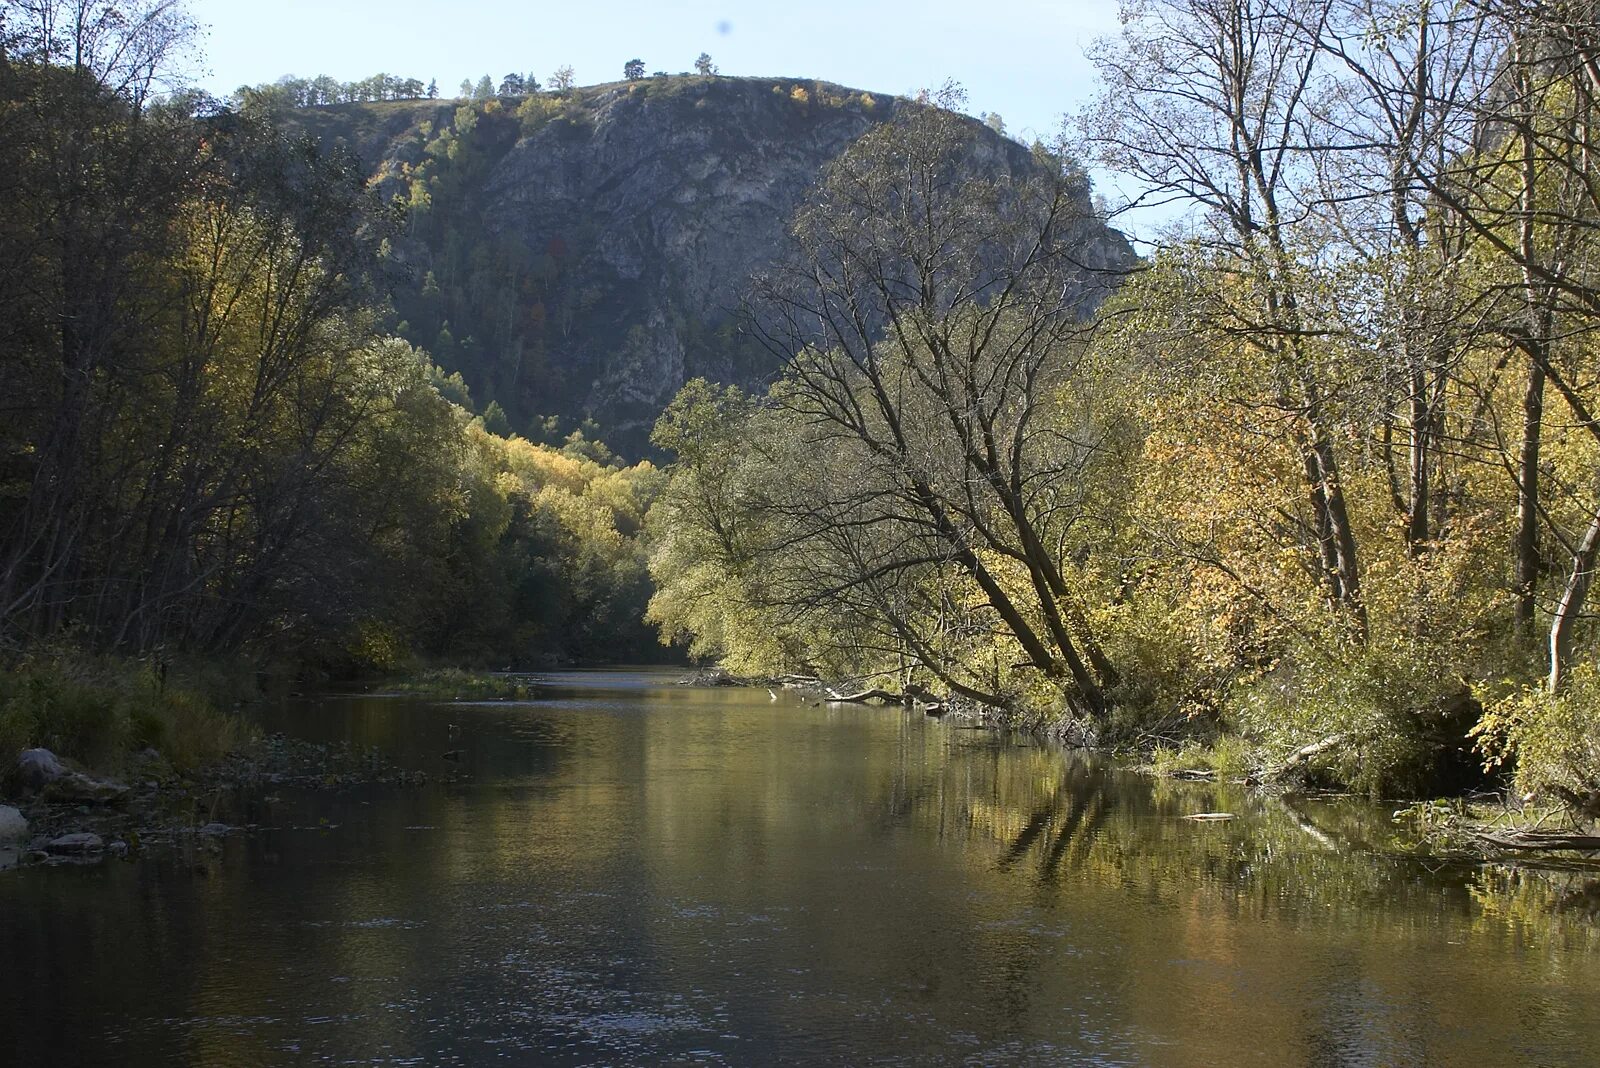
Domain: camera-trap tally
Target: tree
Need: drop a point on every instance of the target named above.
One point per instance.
(325, 90)
(433, 88)
(495, 421)
(484, 90)
(512, 85)
(703, 65)
(930, 312)
(1205, 101)
(96, 178)
(633, 70)
(563, 79)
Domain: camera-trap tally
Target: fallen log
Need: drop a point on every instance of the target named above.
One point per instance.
(1303, 756)
(1539, 840)
(874, 694)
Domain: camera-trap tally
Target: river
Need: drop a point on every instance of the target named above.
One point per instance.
(633, 872)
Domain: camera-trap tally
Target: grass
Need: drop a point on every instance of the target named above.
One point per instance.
(1228, 757)
(100, 711)
(455, 684)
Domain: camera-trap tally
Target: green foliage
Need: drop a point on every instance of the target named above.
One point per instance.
(1373, 702)
(494, 420)
(290, 91)
(100, 711)
(247, 462)
(705, 534)
(1552, 740)
(456, 684)
(1228, 757)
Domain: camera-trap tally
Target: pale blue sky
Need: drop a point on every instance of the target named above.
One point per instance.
(1023, 59)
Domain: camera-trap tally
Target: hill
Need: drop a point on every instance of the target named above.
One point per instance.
(580, 257)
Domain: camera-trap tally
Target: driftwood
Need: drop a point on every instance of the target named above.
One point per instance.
(1297, 760)
(1539, 840)
(864, 696)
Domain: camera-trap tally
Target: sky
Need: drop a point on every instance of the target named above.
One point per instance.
(1024, 59)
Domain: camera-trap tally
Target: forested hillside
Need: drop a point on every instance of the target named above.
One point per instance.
(212, 441)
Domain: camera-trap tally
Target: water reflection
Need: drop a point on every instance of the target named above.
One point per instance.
(633, 872)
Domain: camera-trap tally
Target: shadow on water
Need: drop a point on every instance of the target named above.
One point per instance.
(631, 872)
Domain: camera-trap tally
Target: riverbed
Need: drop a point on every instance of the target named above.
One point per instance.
(627, 871)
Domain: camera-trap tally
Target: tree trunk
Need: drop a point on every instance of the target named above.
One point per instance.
(1525, 563)
(1570, 607)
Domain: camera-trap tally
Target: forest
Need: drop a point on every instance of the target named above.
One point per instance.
(1309, 489)
(214, 445)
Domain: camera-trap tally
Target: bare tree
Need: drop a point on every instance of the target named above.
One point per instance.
(1208, 101)
(935, 309)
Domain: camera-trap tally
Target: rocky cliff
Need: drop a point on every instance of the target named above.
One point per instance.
(582, 257)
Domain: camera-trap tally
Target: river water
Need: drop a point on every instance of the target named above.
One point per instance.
(632, 872)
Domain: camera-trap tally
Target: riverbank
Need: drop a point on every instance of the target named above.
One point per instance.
(72, 816)
(1481, 818)
(103, 757)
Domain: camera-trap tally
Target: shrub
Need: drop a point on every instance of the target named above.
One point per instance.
(100, 710)
(1553, 738)
(1228, 757)
(1389, 705)
(454, 684)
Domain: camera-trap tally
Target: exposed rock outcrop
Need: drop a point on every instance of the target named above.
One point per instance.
(584, 257)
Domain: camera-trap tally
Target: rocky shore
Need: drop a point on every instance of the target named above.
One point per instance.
(55, 813)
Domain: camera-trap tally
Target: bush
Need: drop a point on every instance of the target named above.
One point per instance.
(1553, 740)
(1229, 757)
(99, 711)
(454, 684)
(1394, 707)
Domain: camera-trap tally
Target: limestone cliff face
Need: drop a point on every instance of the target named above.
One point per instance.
(585, 257)
(680, 199)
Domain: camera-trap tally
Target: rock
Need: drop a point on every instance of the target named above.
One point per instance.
(1209, 817)
(42, 770)
(151, 765)
(76, 786)
(78, 844)
(118, 848)
(13, 828)
(215, 830)
(647, 209)
(38, 768)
